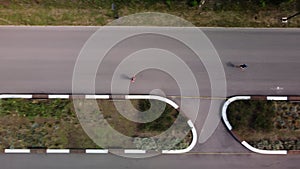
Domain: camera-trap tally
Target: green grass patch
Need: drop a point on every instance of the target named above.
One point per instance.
(35, 123)
(99, 12)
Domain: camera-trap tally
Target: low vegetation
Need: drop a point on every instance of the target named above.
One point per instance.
(271, 125)
(53, 123)
(40, 124)
(225, 13)
(146, 134)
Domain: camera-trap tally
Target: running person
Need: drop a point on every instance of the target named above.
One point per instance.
(133, 79)
(243, 66)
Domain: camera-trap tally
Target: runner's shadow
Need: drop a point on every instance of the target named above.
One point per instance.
(229, 64)
(126, 77)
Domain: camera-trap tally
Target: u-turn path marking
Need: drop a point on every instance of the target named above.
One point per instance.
(101, 151)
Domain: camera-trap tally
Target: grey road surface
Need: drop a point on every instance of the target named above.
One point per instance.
(189, 161)
(42, 59)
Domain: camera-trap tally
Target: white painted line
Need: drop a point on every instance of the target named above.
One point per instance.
(137, 96)
(17, 96)
(58, 151)
(133, 151)
(253, 149)
(23, 151)
(96, 151)
(190, 123)
(166, 100)
(224, 115)
(225, 105)
(190, 147)
(59, 96)
(170, 102)
(97, 96)
(277, 98)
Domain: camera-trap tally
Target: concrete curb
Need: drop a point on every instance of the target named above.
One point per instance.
(224, 108)
(253, 149)
(16, 96)
(58, 96)
(229, 127)
(17, 151)
(58, 151)
(99, 151)
(277, 98)
(134, 151)
(163, 99)
(97, 96)
(96, 151)
(175, 106)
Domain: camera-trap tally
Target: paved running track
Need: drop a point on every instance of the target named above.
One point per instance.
(42, 59)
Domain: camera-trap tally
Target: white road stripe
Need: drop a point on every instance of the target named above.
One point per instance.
(17, 96)
(277, 98)
(163, 99)
(17, 151)
(97, 96)
(96, 151)
(58, 151)
(59, 96)
(134, 151)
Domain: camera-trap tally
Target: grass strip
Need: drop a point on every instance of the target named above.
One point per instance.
(78, 12)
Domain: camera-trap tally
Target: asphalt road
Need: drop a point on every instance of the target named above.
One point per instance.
(213, 161)
(42, 59)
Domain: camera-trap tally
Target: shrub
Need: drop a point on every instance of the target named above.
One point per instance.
(254, 114)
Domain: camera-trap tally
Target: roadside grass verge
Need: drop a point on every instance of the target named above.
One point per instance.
(84, 13)
(52, 16)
